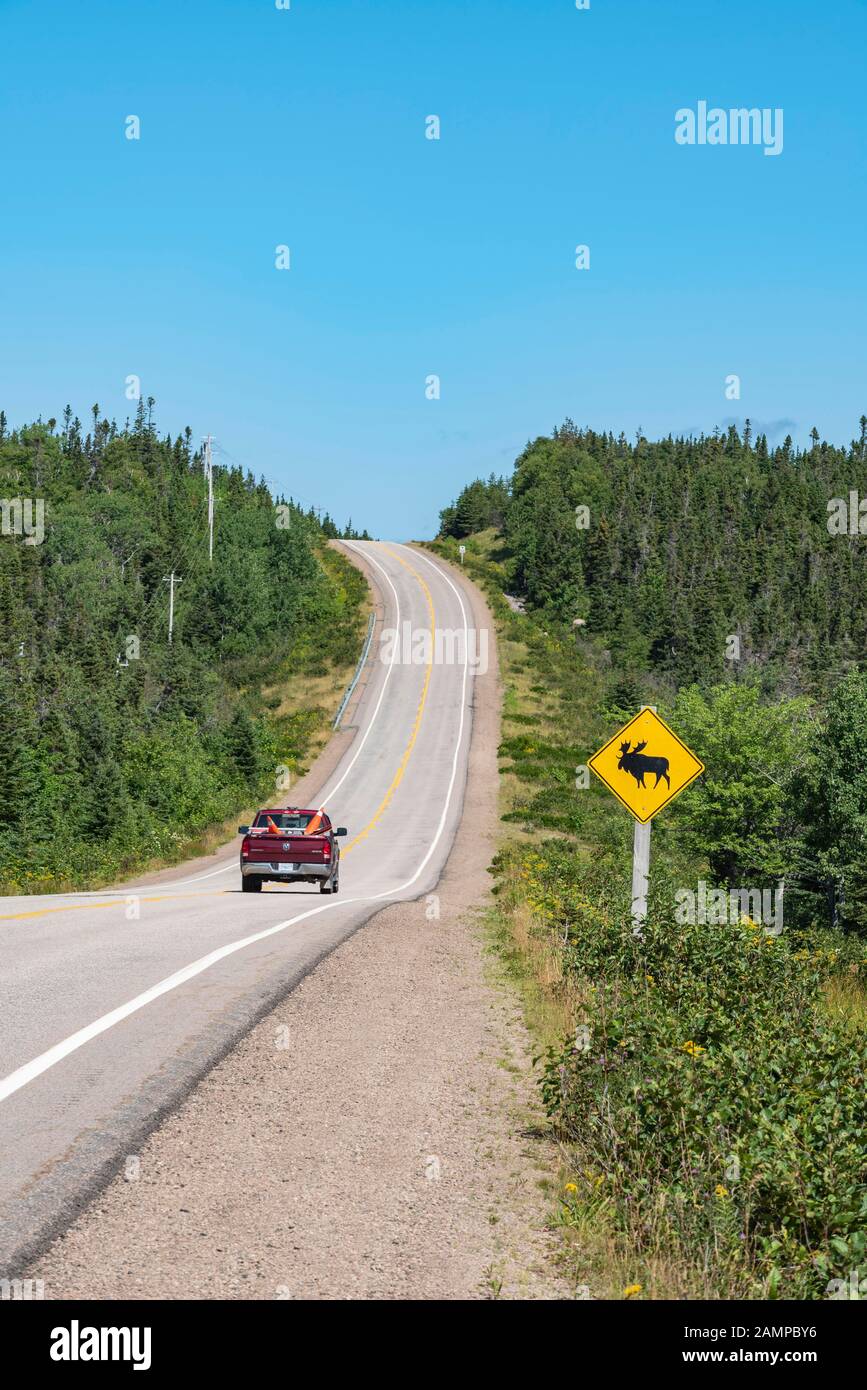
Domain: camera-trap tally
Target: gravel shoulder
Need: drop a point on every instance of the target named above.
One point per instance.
(371, 1138)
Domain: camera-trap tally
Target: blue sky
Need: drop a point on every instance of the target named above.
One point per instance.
(413, 257)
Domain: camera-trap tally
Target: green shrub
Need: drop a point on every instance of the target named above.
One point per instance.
(720, 1106)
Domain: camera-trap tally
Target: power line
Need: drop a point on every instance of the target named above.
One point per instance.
(239, 464)
(182, 559)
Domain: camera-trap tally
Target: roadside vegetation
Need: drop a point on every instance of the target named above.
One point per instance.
(705, 1079)
(121, 750)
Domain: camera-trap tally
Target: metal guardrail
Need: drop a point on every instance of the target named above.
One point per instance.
(371, 622)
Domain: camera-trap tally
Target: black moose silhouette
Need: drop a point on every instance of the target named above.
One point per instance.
(637, 763)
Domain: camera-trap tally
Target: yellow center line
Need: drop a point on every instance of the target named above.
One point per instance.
(115, 902)
(398, 776)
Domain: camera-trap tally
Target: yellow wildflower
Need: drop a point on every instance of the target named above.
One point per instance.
(631, 1290)
(721, 1191)
(693, 1048)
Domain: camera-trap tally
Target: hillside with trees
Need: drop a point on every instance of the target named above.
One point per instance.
(703, 1073)
(119, 745)
(687, 542)
(720, 579)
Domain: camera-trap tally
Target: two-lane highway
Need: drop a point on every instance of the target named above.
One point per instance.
(112, 1004)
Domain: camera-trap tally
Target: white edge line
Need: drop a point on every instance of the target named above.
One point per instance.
(30, 1070)
(331, 792)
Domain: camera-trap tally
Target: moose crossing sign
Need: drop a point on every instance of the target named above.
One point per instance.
(646, 765)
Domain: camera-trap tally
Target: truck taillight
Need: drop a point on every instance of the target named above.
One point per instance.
(326, 852)
(245, 850)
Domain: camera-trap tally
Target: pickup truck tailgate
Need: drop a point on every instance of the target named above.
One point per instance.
(291, 849)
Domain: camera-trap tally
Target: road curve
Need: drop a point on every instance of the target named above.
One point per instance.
(113, 1004)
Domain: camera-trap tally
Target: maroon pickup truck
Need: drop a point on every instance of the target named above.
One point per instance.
(288, 845)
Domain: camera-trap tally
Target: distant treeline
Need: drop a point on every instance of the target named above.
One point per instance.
(349, 532)
(686, 544)
(117, 745)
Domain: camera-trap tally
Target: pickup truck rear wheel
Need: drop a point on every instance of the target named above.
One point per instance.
(327, 886)
(251, 884)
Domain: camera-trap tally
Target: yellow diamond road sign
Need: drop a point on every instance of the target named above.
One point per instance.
(646, 765)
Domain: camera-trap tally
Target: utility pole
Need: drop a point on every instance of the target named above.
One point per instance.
(171, 580)
(209, 473)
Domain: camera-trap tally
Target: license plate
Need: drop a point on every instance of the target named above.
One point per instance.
(289, 868)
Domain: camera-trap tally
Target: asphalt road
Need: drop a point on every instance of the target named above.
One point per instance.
(113, 1004)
